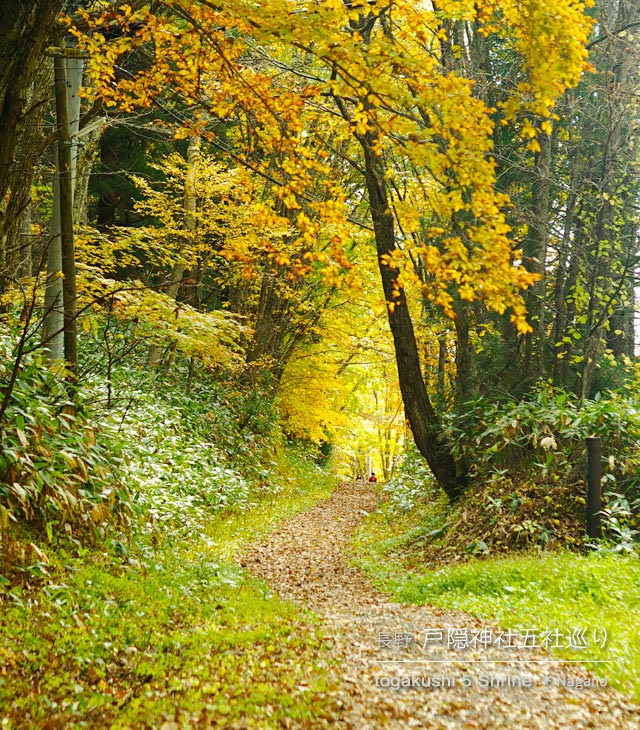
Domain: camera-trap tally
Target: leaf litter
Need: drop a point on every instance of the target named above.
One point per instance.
(377, 644)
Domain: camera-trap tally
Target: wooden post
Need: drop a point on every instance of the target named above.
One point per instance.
(594, 487)
(54, 322)
(66, 218)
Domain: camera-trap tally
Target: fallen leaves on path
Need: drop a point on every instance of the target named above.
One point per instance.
(306, 561)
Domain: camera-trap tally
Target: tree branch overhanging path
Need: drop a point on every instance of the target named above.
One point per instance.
(381, 65)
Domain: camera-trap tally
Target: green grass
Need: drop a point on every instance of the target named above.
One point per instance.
(136, 636)
(552, 590)
(305, 490)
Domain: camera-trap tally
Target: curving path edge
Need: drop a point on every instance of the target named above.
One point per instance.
(306, 560)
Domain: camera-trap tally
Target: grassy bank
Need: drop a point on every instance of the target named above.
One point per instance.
(554, 590)
(164, 627)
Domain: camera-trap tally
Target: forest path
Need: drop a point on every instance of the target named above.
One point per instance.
(306, 560)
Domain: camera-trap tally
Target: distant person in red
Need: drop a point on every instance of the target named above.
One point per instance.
(373, 477)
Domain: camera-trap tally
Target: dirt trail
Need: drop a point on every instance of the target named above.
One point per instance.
(305, 560)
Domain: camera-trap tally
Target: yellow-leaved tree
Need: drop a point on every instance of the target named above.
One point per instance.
(341, 98)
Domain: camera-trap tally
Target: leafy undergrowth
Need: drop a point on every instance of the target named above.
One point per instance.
(554, 590)
(58, 468)
(421, 528)
(148, 620)
(165, 627)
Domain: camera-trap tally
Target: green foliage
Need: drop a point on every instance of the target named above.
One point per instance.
(421, 527)
(196, 445)
(304, 484)
(135, 309)
(528, 592)
(177, 465)
(60, 471)
(164, 628)
(528, 463)
(185, 444)
(620, 523)
(121, 150)
(157, 616)
(545, 434)
(413, 483)
(193, 452)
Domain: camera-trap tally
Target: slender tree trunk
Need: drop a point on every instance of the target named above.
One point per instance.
(25, 262)
(570, 314)
(68, 79)
(442, 361)
(464, 353)
(620, 333)
(561, 287)
(90, 150)
(64, 116)
(422, 418)
(535, 250)
(53, 328)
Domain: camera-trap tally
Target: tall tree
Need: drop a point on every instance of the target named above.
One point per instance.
(420, 138)
(26, 29)
(60, 305)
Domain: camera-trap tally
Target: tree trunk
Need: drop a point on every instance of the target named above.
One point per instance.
(535, 251)
(17, 255)
(66, 115)
(464, 353)
(442, 362)
(53, 328)
(607, 234)
(564, 369)
(88, 154)
(68, 74)
(26, 28)
(561, 286)
(425, 426)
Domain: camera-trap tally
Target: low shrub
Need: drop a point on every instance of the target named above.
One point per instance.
(545, 434)
(61, 472)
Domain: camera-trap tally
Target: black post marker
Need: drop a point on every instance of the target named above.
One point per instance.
(594, 486)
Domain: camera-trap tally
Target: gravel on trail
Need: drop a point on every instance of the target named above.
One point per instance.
(379, 645)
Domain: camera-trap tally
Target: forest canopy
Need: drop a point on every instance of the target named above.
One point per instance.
(251, 189)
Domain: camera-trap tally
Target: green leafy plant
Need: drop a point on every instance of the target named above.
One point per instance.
(61, 473)
(619, 520)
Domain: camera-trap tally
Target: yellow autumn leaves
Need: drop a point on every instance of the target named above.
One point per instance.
(296, 83)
